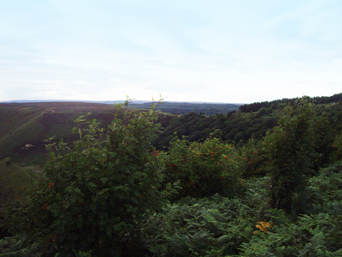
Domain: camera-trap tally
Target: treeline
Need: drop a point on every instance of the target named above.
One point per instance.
(183, 108)
(233, 127)
(278, 103)
(238, 126)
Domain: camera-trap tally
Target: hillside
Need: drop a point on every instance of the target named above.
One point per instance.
(25, 126)
(237, 184)
(250, 121)
(278, 194)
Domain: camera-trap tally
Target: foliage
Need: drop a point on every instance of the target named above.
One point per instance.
(290, 150)
(203, 169)
(183, 108)
(96, 192)
(220, 226)
(107, 194)
(24, 124)
(314, 235)
(337, 145)
(234, 127)
(199, 227)
(277, 103)
(252, 159)
(327, 190)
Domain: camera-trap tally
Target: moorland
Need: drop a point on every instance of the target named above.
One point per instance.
(90, 179)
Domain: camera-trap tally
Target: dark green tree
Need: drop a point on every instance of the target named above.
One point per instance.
(290, 148)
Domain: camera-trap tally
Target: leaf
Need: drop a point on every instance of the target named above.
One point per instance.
(91, 184)
(104, 180)
(103, 191)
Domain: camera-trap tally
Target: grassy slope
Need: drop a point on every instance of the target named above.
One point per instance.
(31, 123)
(15, 181)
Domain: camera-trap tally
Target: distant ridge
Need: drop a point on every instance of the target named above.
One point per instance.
(114, 102)
(75, 101)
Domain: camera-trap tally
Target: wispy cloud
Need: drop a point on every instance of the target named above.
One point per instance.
(224, 51)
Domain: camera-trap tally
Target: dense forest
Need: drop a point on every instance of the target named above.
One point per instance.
(250, 121)
(264, 180)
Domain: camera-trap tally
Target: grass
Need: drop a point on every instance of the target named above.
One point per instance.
(31, 123)
(16, 181)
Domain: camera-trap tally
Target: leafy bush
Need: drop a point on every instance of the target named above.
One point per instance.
(96, 192)
(203, 169)
(252, 159)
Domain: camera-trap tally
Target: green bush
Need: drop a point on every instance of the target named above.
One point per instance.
(93, 194)
(252, 159)
(203, 169)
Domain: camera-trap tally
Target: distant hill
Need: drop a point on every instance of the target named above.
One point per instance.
(75, 101)
(185, 107)
(169, 107)
(24, 126)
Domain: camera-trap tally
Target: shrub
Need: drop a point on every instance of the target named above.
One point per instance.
(252, 159)
(203, 169)
(98, 191)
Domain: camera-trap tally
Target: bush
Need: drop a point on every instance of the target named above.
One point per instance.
(93, 194)
(203, 169)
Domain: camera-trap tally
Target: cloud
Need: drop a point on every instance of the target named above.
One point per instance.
(225, 51)
(3, 96)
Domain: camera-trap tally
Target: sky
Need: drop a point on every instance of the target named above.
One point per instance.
(228, 51)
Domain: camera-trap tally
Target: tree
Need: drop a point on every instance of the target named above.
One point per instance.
(290, 148)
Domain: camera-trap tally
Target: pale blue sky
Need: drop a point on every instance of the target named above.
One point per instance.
(235, 51)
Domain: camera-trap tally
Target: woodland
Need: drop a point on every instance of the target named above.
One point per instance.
(262, 180)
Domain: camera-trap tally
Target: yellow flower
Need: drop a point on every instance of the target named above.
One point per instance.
(263, 226)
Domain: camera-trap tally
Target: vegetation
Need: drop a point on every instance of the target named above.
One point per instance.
(182, 108)
(290, 150)
(24, 126)
(111, 192)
